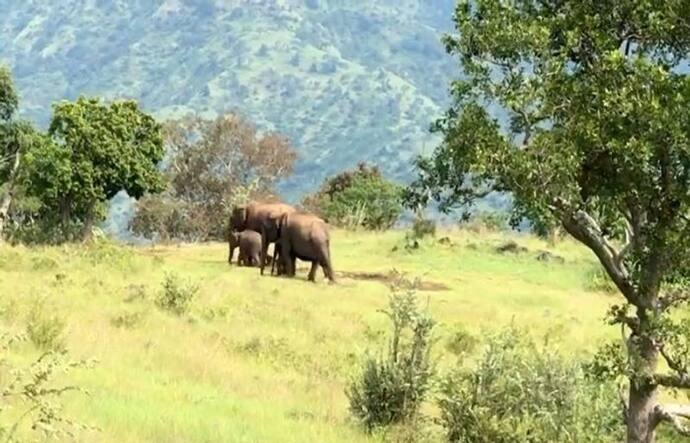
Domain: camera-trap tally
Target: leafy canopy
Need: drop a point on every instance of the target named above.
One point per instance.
(597, 137)
(212, 163)
(97, 149)
(360, 197)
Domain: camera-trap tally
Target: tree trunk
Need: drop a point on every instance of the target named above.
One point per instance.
(642, 401)
(87, 229)
(6, 199)
(5, 202)
(641, 414)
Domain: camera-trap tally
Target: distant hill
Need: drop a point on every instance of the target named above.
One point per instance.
(346, 80)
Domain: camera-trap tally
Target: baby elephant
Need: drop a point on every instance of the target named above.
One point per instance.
(249, 243)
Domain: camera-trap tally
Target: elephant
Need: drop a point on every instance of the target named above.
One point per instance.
(249, 243)
(305, 236)
(255, 216)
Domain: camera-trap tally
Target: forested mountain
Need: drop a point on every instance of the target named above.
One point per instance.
(346, 80)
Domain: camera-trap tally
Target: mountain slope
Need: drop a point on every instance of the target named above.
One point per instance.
(347, 80)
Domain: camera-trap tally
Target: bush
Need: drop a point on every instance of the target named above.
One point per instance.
(487, 221)
(391, 388)
(523, 392)
(599, 281)
(44, 330)
(176, 295)
(31, 399)
(358, 198)
(421, 228)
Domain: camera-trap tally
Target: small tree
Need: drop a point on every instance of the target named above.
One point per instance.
(598, 139)
(212, 162)
(99, 149)
(391, 388)
(361, 197)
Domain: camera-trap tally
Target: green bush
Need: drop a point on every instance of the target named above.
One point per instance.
(44, 330)
(599, 281)
(360, 198)
(176, 295)
(487, 221)
(31, 396)
(391, 388)
(522, 392)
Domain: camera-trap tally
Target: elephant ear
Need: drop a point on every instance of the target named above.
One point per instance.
(238, 218)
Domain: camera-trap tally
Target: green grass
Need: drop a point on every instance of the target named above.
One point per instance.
(266, 359)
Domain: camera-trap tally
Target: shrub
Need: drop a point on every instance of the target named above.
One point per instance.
(176, 295)
(391, 387)
(523, 392)
(31, 398)
(599, 281)
(487, 221)
(358, 198)
(44, 330)
(461, 342)
(128, 320)
(421, 228)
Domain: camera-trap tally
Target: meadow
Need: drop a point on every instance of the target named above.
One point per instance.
(266, 359)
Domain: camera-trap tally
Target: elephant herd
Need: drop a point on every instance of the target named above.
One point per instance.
(295, 235)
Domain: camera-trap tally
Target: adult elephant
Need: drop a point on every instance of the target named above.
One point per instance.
(254, 216)
(305, 236)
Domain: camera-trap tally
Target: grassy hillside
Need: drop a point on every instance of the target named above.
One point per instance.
(266, 359)
(346, 80)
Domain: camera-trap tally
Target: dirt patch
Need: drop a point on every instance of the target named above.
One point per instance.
(394, 277)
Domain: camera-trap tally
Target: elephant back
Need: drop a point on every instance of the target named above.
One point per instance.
(258, 213)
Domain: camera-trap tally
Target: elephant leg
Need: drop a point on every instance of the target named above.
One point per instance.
(312, 271)
(264, 250)
(288, 257)
(325, 260)
(275, 257)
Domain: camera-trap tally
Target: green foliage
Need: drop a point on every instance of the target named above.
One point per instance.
(423, 227)
(213, 164)
(486, 220)
(176, 295)
(9, 101)
(597, 140)
(31, 395)
(523, 392)
(358, 198)
(460, 342)
(97, 150)
(598, 280)
(391, 388)
(45, 330)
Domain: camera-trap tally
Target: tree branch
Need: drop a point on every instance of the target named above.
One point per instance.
(673, 364)
(679, 381)
(674, 414)
(584, 228)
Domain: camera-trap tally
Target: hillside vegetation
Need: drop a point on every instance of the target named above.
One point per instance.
(267, 359)
(347, 81)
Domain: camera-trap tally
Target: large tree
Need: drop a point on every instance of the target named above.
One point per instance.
(211, 163)
(579, 109)
(97, 149)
